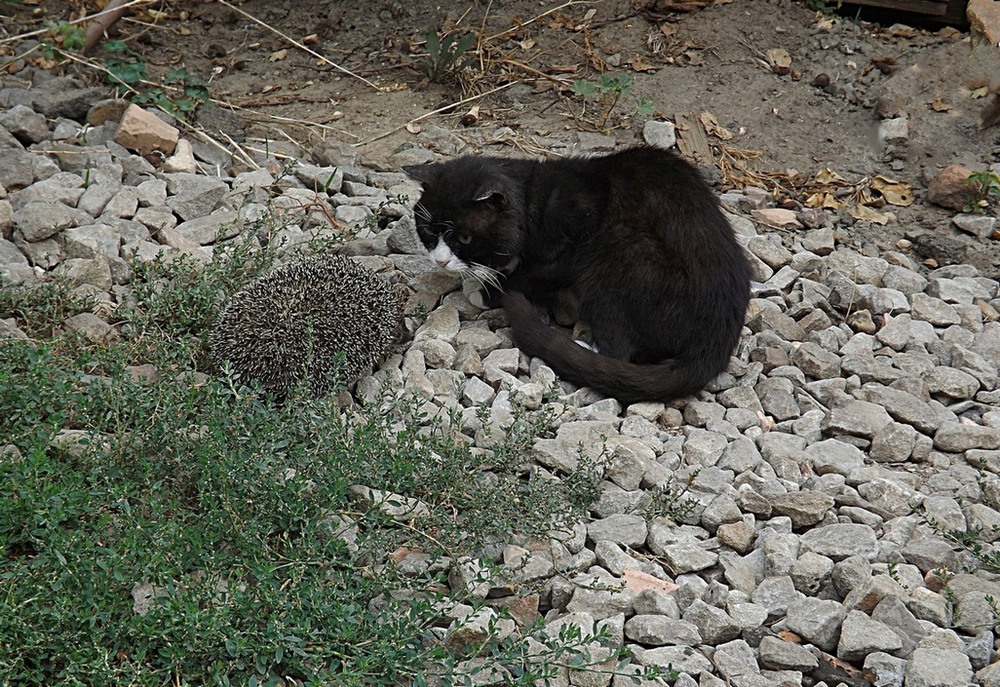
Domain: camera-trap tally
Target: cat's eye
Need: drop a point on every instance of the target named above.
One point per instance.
(464, 239)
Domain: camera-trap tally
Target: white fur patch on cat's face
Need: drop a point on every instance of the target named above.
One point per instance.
(443, 255)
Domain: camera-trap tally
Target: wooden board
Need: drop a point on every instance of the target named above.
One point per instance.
(948, 11)
(691, 138)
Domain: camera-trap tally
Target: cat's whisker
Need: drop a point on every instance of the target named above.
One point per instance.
(487, 275)
(422, 213)
(472, 273)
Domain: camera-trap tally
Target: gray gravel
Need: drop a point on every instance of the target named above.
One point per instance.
(864, 392)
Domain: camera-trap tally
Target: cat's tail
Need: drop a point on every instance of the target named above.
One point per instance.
(628, 382)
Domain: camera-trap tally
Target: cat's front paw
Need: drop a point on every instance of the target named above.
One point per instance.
(492, 296)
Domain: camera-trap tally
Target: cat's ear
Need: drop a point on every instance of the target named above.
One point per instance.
(425, 173)
(490, 195)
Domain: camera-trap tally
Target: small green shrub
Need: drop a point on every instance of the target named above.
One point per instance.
(608, 92)
(447, 57)
(63, 36)
(41, 308)
(180, 94)
(985, 191)
(186, 531)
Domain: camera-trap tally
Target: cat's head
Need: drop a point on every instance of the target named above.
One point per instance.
(469, 215)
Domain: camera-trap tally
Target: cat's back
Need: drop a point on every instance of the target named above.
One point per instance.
(648, 168)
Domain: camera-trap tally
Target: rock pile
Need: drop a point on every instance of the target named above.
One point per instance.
(858, 422)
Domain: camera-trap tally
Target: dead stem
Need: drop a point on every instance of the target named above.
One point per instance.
(87, 18)
(541, 16)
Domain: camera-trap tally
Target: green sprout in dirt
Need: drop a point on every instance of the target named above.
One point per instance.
(180, 94)
(985, 191)
(64, 37)
(447, 57)
(608, 94)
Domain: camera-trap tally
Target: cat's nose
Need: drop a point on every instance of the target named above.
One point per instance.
(442, 261)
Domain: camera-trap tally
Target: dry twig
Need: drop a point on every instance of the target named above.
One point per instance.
(90, 17)
(102, 22)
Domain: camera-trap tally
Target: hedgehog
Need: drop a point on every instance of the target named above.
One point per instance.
(291, 324)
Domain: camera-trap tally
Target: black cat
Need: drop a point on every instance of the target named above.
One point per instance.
(636, 236)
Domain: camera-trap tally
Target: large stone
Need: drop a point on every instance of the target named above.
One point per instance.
(858, 418)
(834, 456)
(144, 132)
(92, 239)
(903, 406)
(39, 221)
(658, 630)
(627, 530)
(817, 621)
(64, 96)
(984, 32)
(685, 557)
(951, 382)
(193, 196)
(860, 636)
(735, 659)
(63, 187)
(601, 594)
(90, 326)
(938, 668)
(957, 437)
(803, 507)
(894, 613)
(778, 654)
(949, 188)
(841, 540)
(890, 496)
(816, 361)
(883, 670)
(661, 134)
(894, 444)
(27, 125)
(684, 659)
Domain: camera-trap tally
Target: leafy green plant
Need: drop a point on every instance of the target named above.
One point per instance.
(670, 500)
(607, 93)
(980, 544)
(64, 37)
(180, 94)
(185, 530)
(447, 57)
(41, 308)
(985, 191)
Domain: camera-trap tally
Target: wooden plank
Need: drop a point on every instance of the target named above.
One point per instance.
(691, 138)
(937, 8)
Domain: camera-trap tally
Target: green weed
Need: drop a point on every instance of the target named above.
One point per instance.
(607, 95)
(63, 37)
(180, 94)
(670, 500)
(186, 531)
(447, 57)
(985, 191)
(978, 543)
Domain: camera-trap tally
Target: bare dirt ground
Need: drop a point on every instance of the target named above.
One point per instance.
(790, 91)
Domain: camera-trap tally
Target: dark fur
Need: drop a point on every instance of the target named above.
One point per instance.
(636, 236)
